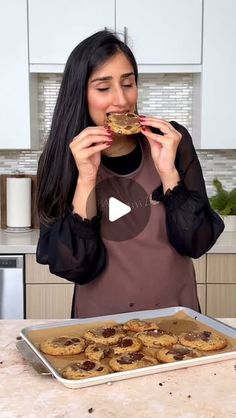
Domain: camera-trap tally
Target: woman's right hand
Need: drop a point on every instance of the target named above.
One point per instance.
(86, 149)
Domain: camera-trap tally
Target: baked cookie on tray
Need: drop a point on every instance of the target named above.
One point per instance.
(138, 325)
(203, 340)
(176, 352)
(97, 352)
(84, 368)
(127, 345)
(157, 338)
(63, 345)
(110, 335)
(131, 361)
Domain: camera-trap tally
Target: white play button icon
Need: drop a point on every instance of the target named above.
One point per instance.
(117, 209)
(123, 208)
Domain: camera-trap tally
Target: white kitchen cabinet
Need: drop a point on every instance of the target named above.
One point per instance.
(14, 75)
(162, 31)
(218, 75)
(57, 26)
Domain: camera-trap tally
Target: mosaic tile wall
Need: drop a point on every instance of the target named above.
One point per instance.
(167, 95)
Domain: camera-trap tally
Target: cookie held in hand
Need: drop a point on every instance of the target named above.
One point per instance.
(123, 123)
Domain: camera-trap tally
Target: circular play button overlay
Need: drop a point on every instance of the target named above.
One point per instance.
(124, 207)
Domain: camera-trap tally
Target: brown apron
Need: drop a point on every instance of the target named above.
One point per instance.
(144, 272)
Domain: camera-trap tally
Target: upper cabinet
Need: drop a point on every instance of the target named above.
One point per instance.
(218, 85)
(162, 31)
(14, 74)
(57, 26)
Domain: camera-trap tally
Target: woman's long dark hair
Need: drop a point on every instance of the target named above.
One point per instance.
(57, 171)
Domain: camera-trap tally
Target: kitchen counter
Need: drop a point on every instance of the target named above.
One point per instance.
(18, 242)
(26, 242)
(206, 391)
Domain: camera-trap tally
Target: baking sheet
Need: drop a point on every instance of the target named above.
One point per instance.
(31, 357)
(175, 319)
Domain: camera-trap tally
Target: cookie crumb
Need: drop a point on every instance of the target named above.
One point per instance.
(235, 367)
(189, 396)
(175, 322)
(18, 337)
(1, 362)
(131, 304)
(214, 374)
(170, 393)
(195, 317)
(160, 384)
(90, 410)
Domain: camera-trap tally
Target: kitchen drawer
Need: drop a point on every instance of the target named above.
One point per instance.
(39, 273)
(49, 301)
(221, 268)
(221, 300)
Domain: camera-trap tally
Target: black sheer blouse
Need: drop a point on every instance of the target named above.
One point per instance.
(74, 250)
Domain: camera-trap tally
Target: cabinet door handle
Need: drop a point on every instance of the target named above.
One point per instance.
(125, 35)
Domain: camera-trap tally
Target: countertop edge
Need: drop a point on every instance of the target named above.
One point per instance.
(26, 243)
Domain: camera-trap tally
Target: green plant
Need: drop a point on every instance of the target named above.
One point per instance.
(223, 202)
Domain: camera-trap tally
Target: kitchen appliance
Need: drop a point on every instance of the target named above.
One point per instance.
(11, 287)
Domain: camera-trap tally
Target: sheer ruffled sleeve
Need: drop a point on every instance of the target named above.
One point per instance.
(72, 248)
(192, 226)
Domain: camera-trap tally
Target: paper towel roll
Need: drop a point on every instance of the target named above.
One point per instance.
(18, 202)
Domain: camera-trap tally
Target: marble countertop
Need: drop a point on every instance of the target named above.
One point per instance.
(206, 391)
(26, 242)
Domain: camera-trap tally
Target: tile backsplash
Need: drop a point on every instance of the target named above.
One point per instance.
(170, 96)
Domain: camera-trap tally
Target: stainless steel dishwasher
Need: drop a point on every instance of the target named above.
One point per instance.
(11, 287)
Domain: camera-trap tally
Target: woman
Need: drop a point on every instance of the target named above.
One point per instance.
(152, 269)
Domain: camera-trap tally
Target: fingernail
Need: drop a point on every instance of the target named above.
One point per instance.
(142, 116)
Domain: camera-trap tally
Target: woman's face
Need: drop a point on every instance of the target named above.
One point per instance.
(112, 88)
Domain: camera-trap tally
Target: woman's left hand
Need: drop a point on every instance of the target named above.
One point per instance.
(163, 147)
